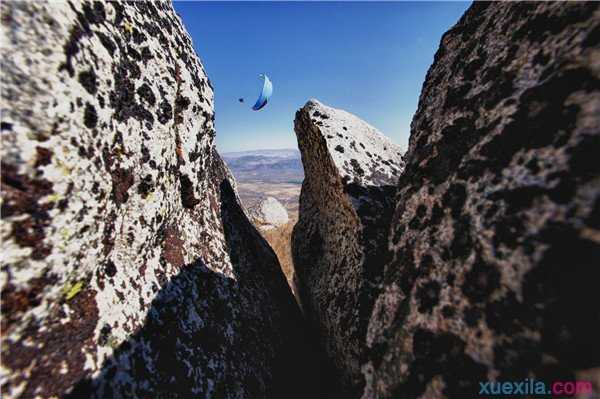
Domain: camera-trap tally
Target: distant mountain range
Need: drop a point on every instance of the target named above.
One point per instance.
(274, 166)
(283, 153)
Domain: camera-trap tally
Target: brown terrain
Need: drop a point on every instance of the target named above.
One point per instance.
(280, 240)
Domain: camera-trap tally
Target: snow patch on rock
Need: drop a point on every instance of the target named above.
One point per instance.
(362, 154)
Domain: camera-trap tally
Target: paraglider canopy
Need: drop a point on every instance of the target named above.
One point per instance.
(265, 93)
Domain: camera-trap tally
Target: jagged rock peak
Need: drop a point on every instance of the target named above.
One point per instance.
(361, 153)
(269, 213)
(129, 268)
(346, 204)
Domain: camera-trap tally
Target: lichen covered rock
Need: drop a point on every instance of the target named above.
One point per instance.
(346, 204)
(129, 268)
(496, 233)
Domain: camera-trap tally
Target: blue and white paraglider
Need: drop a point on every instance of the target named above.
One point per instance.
(265, 94)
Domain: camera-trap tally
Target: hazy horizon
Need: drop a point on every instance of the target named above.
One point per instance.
(369, 59)
(260, 150)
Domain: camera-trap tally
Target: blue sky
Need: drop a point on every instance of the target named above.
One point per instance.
(369, 58)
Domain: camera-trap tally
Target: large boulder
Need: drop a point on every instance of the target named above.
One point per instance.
(346, 204)
(129, 268)
(496, 233)
(268, 214)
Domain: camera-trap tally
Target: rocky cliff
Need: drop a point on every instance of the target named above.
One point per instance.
(495, 235)
(346, 203)
(129, 268)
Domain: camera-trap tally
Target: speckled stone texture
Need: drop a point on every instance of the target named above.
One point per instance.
(129, 268)
(496, 233)
(346, 204)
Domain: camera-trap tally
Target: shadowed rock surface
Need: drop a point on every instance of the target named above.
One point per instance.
(346, 204)
(496, 233)
(129, 268)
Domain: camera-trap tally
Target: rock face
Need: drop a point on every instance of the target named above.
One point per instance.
(129, 268)
(269, 213)
(496, 234)
(346, 204)
(495, 238)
